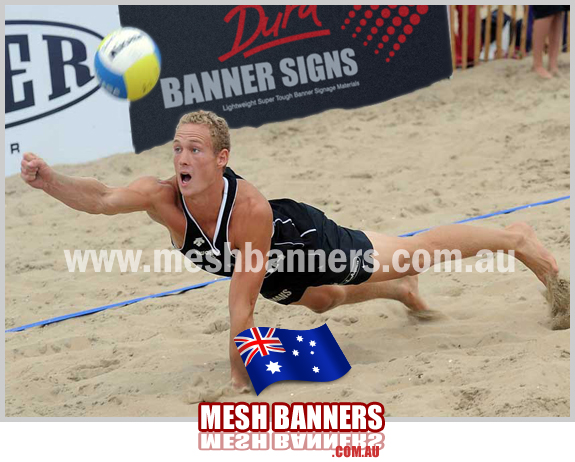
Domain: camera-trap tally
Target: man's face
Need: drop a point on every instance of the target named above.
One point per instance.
(197, 165)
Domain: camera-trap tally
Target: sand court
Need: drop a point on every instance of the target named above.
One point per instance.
(492, 138)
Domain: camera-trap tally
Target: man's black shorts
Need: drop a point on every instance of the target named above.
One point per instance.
(301, 227)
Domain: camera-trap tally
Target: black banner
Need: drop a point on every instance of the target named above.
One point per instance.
(258, 64)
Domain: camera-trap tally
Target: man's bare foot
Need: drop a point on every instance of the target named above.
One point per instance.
(533, 254)
(542, 72)
(558, 295)
(408, 294)
(555, 72)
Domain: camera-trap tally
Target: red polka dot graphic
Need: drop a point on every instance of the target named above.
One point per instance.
(370, 21)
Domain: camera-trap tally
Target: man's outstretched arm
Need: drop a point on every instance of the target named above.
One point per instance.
(245, 286)
(87, 194)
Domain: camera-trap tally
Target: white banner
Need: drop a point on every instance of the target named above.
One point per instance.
(53, 106)
(178, 441)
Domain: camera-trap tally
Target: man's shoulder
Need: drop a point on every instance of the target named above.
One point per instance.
(250, 200)
(151, 185)
(251, 210)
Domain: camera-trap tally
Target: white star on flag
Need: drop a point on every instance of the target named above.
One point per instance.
(312, 343)
(312, 352)
(316, 369)
(299, 338)
(273, 367)
(295, 352)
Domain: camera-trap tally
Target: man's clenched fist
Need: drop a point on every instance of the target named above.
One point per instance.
(34, 170)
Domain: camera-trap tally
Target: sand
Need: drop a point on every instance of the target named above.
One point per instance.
(492, 138)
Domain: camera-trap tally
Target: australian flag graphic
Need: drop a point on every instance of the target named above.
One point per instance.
(271, 355)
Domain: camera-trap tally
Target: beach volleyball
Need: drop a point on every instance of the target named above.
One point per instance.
(128, 63)
(367, 169)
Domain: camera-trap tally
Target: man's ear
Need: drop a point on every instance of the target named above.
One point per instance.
(223, 158)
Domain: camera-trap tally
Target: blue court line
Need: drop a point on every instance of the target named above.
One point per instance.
(115, 305)
(488, 215)
(204, 284)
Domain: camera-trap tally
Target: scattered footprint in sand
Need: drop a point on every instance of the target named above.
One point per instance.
(455, 291)
(195, 396)
(360, 176)
(221, 325)
(201, 392)
(563, 239)
(419, 209)
(96, 368)
(58, 346)
(426, 316)
(471, 399)
(345, 320)
(346, 392)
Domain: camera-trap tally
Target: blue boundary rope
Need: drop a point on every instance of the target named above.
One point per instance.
(204, 284)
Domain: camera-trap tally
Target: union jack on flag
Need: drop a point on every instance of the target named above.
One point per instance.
(254, 343)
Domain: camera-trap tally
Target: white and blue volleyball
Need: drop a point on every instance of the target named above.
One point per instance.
(128, 63)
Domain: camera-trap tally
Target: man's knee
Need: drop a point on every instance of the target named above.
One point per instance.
(423, 250)
(326, 299)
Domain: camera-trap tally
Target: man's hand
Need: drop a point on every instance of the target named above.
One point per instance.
(35, 171)
(241, 385)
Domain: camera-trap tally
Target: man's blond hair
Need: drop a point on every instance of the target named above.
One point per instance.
(219, 130)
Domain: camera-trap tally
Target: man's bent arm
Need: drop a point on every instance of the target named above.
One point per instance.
(245, 285)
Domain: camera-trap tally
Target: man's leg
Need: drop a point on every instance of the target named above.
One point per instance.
(469, 240)
(402, 286)
(324, 298)
(555, 35)
(541, 29)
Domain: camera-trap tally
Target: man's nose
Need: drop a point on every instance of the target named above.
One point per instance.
(184, 159)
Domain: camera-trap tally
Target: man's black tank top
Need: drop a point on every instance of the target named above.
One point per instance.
(293, 228)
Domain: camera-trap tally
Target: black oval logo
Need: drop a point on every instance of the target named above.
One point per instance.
(49, 68)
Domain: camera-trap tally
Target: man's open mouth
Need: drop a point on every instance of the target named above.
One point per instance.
(186, 177)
